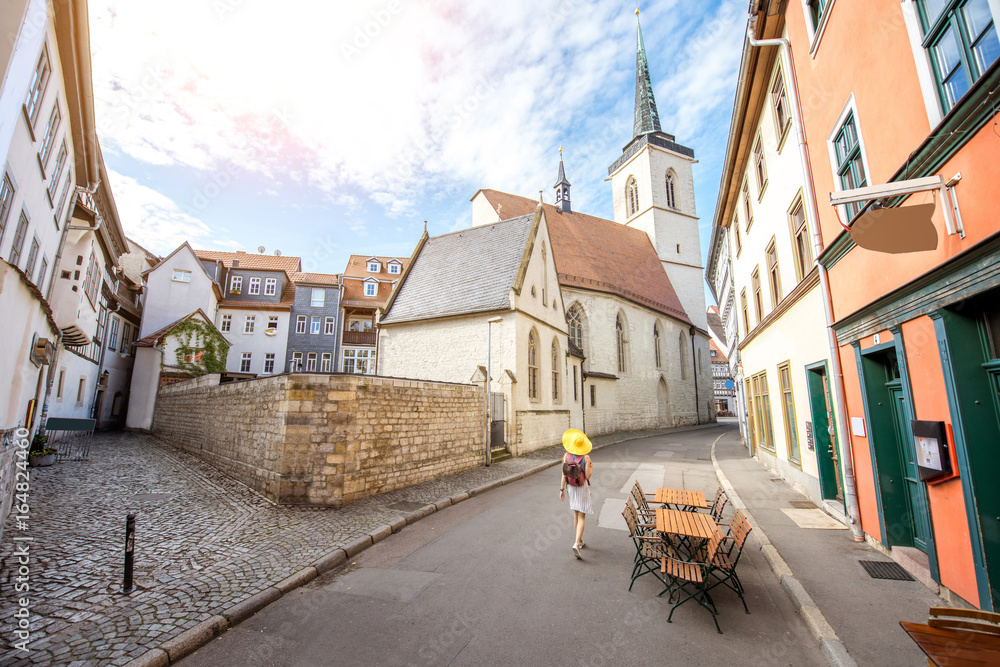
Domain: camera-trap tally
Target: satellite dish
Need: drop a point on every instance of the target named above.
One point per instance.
(260, 249)
(277, 253)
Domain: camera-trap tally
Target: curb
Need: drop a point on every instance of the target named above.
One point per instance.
(187, 642)
(831, 646)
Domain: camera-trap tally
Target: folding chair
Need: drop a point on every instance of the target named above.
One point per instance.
(719, 504)
(692, 578)
(642, 505)
(650, 549)
(728, 556)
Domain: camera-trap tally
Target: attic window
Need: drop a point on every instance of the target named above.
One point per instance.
(374, 267)
(371, 289)
(394, 269)
(181, 276)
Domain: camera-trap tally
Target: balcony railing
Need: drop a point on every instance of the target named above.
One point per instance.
(359, 337)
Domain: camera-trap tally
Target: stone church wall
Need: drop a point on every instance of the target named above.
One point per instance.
(325, 439)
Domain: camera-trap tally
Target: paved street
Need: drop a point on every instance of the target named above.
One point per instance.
(493, 581)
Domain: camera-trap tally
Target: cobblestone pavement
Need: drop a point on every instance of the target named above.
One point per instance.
(206, 544)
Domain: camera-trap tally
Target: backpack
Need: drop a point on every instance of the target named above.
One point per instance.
(574, 470)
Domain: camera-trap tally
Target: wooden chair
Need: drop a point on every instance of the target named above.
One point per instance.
(965, 619)
(692, 579)
(728, 556)
(719, 504)
(641, 504)
(650, 549)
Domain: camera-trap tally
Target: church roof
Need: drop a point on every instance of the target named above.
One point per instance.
(596, 254)
(647, 119)
(469, 271)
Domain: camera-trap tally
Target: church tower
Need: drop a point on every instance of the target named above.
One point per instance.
(654, 191)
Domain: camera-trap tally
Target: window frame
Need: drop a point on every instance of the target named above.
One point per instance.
(799, 233)
(36, 90)
(737, 237)
(7, 193)
(235, 284)
(49, 136)
(780, 105)
(377, 266)
(270, 286)
(17, 243)
(621, 341)
(180, 276)
(268, 363)
(113, 333)
(373, 291)
(311, 360)
(657, 342)
(296, 362)
(759, 166)
(329, 326)
(29, 264)
(574, 320)
(317, 298)
(631, 197)
(791, 425)
(556, 397)
(315, 324)
(773, 272)
(395, 268)
(670, 182)
(849, 114)
(253, 285)
(249, 322)
(326, 362)
(747, 206)
(272, 322)
(758, 299)
(226, 324)
(532, 366)
(301, 322)
(246, 362)
(762, 398)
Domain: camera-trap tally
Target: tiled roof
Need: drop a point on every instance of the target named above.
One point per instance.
(357, 267)
(317, 278)
(153, 338)
(354, 293)
(249, 261)
(719, 357)
(468, 271)
(601, 255)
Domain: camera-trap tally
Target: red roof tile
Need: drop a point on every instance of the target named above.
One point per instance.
(354, 293)
(357, 267)
(153, 338)
(719, 356)
(249, 261)
(317, 278)
(597, 254)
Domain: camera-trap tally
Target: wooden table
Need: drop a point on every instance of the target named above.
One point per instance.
(680, 498)
(948, 648)
(686, 524)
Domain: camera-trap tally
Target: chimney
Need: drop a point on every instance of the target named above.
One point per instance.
(236, 263)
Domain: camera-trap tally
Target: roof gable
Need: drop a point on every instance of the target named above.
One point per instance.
(152, 339)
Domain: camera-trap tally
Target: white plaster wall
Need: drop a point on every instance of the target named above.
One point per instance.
(77, 369)
(71, 306)
(258, 343)
(145, 382)
(483, 212)
(168, 300)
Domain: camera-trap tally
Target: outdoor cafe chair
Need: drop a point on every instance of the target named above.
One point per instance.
(719, 504)
(642, 505)
(691, 580)
(727, 556)
(650, 549)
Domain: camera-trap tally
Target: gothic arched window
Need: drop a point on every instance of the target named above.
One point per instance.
(671, 198)
(532, 366)
(632, 196)
(622, 343)
(656, 345)
(555, 370)
(575, 318)
(683, 356)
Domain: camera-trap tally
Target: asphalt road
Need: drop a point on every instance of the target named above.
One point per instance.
(493, 580)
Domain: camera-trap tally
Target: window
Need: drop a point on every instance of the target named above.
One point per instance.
(574, 316)
(850, 167)
(42, 273)
(272, 322)
(736, 235)
(49, 135)
(59, 386)
(394, 268)
(254, 286)
(29, 266)
(622, 343)
(60, 205)
(961, 39)
(300, 324)
(801, 246)
(779, 103)
(318, 297)
(328, 326)
(555, 371)
(758, 300)
(631, 196)
(37, 88)
(311, 362)
(92, 279)
(81, 390)
(325, 362)
(296, 362)
(656, 345)
(113, 333)
(360, 361)
(682, 354)
(126, 334)
(6, 199)
(245, 363)
(532, 367)
(270, 286)
(181, 276)
(227, 323)
(747, 210)
(374, 267)
(575, 395)
(314, 325)
(671, 197)
(759, 168)
(248, 323)
(268, 363)
(750, 411)
(772, 271)
(593, 396)
(235, 284)
(817, 8)
(371, 288)
(788, 413)
(763, 402)
(18, 243)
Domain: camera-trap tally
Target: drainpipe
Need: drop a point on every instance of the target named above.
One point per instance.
(694, 372)
(809, 191)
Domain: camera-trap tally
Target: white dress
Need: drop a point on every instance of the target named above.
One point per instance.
(579, 498)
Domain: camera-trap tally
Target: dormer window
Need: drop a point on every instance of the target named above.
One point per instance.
(374, 266)
(270, 286)
(371, 288)
(394, 268)
(235, 284)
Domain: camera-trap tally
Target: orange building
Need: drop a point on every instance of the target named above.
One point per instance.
(899, 102)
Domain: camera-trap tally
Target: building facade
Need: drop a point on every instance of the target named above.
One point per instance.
(314, 336)
(366, 284)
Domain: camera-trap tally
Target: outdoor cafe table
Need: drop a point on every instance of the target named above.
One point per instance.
(952, 648)
(689, 526)
(680, 498)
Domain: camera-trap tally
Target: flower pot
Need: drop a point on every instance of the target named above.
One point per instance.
(41, 461)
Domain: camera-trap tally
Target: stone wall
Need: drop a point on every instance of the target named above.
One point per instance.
(323, 439)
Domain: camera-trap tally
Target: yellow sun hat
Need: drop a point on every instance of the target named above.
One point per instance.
(576, 442)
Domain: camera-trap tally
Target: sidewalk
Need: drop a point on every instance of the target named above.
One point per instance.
(209, 552)
(864, 613)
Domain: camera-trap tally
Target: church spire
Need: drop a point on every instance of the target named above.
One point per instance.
(647, 120)
(562, 187)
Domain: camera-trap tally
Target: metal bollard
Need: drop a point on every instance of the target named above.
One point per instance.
(129, 553)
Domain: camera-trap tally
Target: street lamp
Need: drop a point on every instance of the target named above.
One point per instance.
(489, 353)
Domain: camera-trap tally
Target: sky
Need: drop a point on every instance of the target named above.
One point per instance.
(325, 129)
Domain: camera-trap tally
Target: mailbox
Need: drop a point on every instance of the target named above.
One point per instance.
(933, 452)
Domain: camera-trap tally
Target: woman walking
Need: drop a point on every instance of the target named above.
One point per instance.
(575, 481)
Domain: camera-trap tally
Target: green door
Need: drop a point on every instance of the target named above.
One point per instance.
(907, 454)
(827, 455)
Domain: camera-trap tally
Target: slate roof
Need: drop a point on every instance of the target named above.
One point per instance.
(247, 260)
(468, 271)
(597, 254)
